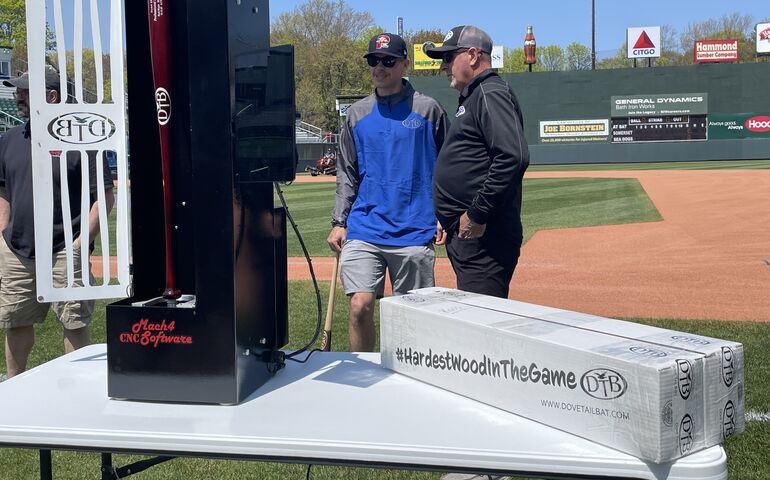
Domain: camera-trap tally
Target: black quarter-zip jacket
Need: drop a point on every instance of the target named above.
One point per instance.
(482, 162)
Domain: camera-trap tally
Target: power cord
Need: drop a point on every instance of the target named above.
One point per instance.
(290, 356)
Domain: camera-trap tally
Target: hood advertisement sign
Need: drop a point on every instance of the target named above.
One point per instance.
(711, 51)
(643, 42)
(763, 38)
(739, 125)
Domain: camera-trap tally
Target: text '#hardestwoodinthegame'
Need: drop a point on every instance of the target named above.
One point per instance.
(504, 369)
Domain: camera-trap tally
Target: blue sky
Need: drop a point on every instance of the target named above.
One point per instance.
(558, 22)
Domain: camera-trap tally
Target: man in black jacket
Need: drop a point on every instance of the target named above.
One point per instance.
(478, 177)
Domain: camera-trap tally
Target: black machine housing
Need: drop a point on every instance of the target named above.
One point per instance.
(232, 117)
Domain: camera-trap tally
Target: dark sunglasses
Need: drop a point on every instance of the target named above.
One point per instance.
(449, 57)
(387, 62)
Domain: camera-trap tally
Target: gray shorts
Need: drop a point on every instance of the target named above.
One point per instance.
(363, 265)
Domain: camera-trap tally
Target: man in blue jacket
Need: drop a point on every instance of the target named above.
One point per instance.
(383, 217)
(478, 180)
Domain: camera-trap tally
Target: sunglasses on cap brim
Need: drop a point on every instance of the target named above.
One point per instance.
(449, 57)
(387, 62)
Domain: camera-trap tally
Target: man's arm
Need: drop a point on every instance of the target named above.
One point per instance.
(5, 209)
(93, 215)
(347, 188)
(440, 126)
(504, 135)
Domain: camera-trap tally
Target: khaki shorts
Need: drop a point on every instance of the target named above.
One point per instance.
(18, 293)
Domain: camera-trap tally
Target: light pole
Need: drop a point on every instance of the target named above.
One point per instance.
(593, 34)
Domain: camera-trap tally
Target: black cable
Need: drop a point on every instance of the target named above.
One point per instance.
(319, 320)
(307, 475)
(306, 358)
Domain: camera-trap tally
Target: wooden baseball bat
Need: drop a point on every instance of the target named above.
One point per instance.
(326, 342)
(160, 53)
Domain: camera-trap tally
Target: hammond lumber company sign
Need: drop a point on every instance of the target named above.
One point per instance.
(715, 51)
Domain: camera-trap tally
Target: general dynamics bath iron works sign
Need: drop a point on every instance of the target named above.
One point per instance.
(672, 104)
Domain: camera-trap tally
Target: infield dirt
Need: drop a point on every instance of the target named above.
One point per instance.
(707, 259)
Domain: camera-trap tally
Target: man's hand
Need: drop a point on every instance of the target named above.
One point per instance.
(336, 238)
(468, 229)
(440, 234)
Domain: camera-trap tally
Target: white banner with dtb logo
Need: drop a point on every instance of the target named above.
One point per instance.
(78, 148)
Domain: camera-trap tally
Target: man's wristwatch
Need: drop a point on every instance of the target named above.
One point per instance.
(337, 223)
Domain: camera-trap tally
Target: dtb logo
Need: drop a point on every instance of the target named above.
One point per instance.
(758, 124)
(163, 105)
(728, 366)
(603, 383)
(685, 434)
(728, 419)
(684, 369)
(647, 352)
(412, 123)
(81, 128)
(690, 340)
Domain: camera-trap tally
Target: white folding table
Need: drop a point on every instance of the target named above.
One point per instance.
(338, 408)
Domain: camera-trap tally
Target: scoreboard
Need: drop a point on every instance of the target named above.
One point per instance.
(659, 128)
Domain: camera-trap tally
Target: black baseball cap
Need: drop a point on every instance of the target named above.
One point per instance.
(388, 44)
(464, 36)
(22, 81)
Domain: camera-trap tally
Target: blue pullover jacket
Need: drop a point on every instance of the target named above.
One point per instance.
(388, 148)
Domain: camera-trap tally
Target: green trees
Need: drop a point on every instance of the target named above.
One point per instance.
(329, 39)
(13, 32)
(734, 26)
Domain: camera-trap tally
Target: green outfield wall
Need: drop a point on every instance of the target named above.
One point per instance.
(731, 95)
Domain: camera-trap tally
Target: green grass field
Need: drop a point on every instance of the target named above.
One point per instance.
(549, 203)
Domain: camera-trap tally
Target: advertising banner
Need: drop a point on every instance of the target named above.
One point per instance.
(715, 51)
(420, 61)
(563, 131)
(497, 56)
(643, 42)
(656, 105)
(763, 38)
(739, 125)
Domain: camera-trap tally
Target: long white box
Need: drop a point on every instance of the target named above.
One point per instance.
(723, 375)
(640, 398)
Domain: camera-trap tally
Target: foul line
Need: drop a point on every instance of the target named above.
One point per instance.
(755, 416)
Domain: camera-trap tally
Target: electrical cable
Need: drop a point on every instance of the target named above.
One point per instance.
(307, 475)
(306, 358)
(319, 320)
